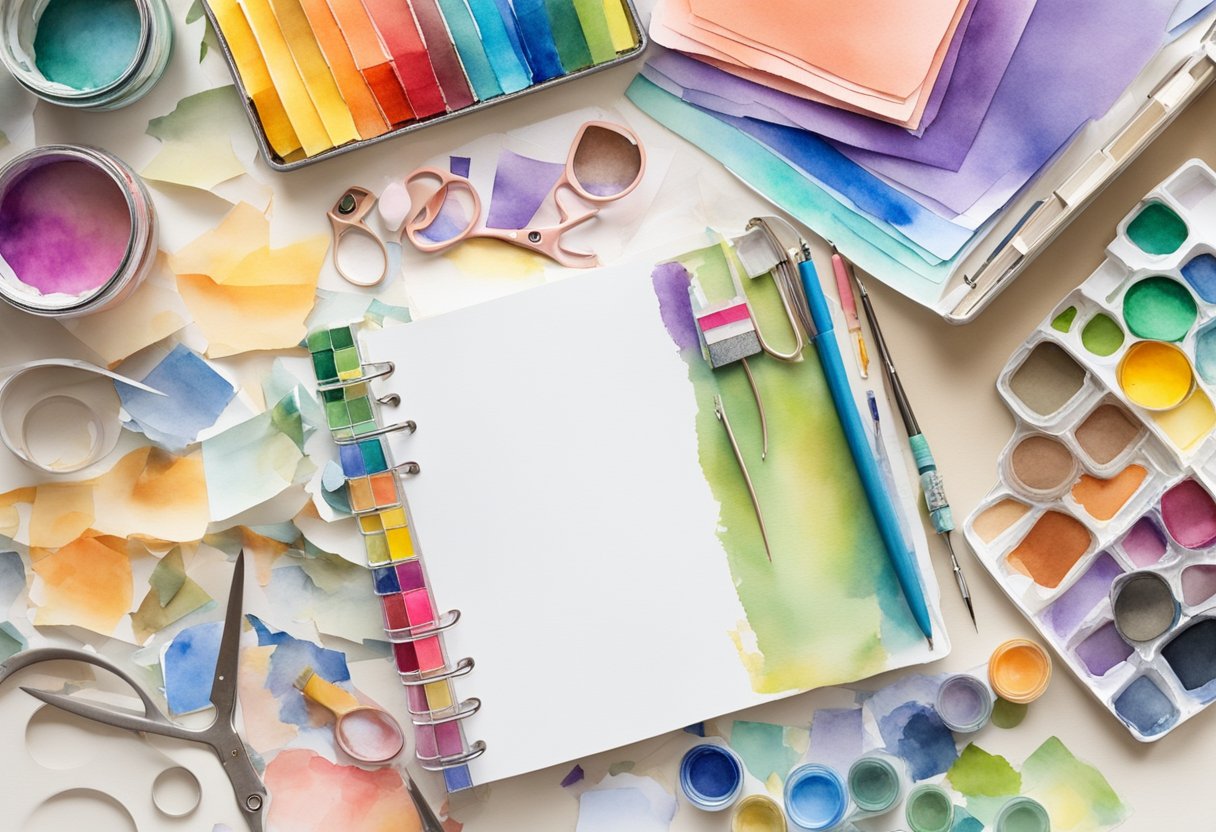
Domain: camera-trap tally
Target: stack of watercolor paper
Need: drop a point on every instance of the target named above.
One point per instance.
(1103, 527)
(321, 77)
(902, 131)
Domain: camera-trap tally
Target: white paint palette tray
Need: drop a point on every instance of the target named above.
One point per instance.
(1102, 528)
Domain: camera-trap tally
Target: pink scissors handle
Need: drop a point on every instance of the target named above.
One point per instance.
(425, 210)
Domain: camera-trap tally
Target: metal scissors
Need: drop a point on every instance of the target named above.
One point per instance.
(606, 162)
(221, 736)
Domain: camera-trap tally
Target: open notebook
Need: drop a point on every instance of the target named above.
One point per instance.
(578, 503)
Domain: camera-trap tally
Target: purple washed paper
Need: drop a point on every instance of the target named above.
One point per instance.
(1075, 59)
(520, 186)
(1070, 609)
(836, 737)
(993, 33)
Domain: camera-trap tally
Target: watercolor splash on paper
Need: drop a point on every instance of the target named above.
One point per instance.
(822, 545)
(87, 584)
(308, 793)
(188, 663)
(1075, 794)
(986, 780)
(837, 737)
(763, 748)
(194, 397)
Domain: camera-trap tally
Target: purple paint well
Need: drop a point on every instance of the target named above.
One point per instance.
(1189, 514)
(1103, 650)
(1198, 584)
(964, 703)
(1067, 612)
(1145, 543)
(65, 227)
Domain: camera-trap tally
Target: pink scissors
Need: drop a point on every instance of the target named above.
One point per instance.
(606, 162)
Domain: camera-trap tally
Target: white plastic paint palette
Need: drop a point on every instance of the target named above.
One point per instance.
(1108, 480)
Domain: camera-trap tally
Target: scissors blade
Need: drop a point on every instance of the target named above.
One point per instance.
(223, 686)
(107, 715)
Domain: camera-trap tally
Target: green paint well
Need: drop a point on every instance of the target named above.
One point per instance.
(821, 534)
(1102, 336)
(874, 784)
(1159, 308)
(930, 809)
(1063, 321)
(762, 747)
(1068, 787)
(87, 44)
(1157, 229)
(1007, 714)
(976, 773)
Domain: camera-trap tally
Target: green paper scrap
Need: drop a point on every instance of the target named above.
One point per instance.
(169, 576)
(196, 141)
(763, 749)
(1075, 794)
(173, 596)
(210, 40)
(11, 641)
(472, 53)
(595, 29)
(873, 251)
(572, 47)
(976, 773)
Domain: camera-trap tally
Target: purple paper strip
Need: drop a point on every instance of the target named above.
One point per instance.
(1070, 609)
(520, 186)
(460, 165)
(993, 33)
(1075, 59)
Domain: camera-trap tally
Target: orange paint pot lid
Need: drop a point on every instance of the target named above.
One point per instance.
(1019, 671)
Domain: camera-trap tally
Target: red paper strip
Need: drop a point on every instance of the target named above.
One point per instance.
(395, 23)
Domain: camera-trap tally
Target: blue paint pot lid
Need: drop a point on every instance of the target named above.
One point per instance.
(711, 777)
(815, 797)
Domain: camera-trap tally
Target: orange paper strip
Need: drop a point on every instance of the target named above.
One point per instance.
(367, 113)
(372, 59)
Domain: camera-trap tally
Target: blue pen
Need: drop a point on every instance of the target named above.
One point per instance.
(824, 339)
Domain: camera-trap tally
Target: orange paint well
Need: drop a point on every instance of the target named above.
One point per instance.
(1104, 498)
(1019, 671)
(1050, 549)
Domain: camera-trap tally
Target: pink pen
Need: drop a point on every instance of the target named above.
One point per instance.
(844, 286)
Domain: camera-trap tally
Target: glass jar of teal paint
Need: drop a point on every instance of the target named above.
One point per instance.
(86, 54)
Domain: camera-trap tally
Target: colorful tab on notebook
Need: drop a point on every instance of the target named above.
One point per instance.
(256, 77)
(372, 59)
(448, 70)
(619, 28)
(472, 53)
(595, 29)
(568, 35)
(318, 80)
(369, 119)
(729, 315)
(282, 68)
(537, 37)
(397, 29)
(512, 73)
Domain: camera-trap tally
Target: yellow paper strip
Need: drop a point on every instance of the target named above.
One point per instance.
(315, 71)
(619, 29)
(305, 120)
(256, 77)
(368, 118)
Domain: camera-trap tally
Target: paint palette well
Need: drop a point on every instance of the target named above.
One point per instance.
(1102, 528)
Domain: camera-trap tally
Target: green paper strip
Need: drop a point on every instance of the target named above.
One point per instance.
(472, 52)
(770, 176)
(595, 29)
(568, 35)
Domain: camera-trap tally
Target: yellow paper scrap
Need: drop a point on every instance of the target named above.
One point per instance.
(152, 493)
(305, 119)
(60, 514)
(619, 29)
(10, 517)
(197, 144)
(256, 77)
(86, 584)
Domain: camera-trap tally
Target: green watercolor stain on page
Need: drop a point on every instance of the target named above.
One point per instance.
(1006, 714)
(762, 747)
(1159, 308)
(86, 44)
(828, 608)
(1063, 321)
(1157, 229)
(976, 773)
(1075, 794)
(1102, 336)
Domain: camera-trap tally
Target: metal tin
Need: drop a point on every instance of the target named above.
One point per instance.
(19, 24)
(277, 163)
(141, 249)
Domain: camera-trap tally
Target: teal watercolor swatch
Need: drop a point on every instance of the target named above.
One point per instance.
(87, 44)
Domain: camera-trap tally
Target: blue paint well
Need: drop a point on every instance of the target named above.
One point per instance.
(1192, 657)
(352, 461)
(1200, 272)
(386, 581)
(457, 779)
(815, 797)
(1143, 706)
(711, 776)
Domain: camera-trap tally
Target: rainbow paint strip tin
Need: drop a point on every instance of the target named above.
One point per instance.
(1102, 528)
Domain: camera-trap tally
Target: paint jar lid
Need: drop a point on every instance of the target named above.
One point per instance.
(758, 813)
(711, 777)
(875, 784)
(815, 797)
(964, 703)
(929, 809)
(1019, 671)
(1022, 814)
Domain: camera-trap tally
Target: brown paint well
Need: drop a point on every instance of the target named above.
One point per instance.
(1106, 433)
(998, 518)
(1041, 464)
(1051, 548)
(1047, 379)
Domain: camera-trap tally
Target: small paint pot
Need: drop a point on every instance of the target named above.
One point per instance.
(1155, 375)
(1019, 671)
(876, 784)
(85, 54)
(815, 797)
(711, 777)
(78, 233)
(929, 809)
(758, 813)
(1144, 606)
(1022, 814)
(964, 703)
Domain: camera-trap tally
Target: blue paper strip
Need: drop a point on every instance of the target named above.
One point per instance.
(472, 53)
(539, 46)
(510, 68)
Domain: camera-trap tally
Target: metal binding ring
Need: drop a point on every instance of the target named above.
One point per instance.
(415, 679)
(464, 710)
(387, 368)
(408, 425)
(407, 634)
(440, 763)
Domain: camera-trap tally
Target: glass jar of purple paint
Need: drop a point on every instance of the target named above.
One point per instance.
(86, 54)
(78, 232)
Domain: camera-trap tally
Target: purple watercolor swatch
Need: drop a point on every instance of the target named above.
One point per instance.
(1145, 543)
(837, 737)
(1067, 612)
(520, 187)
(1103, 649)
(64, 227)
(670, 281)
